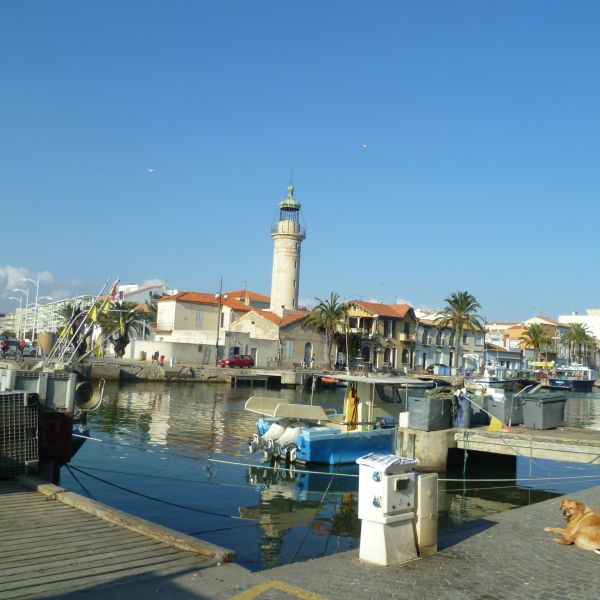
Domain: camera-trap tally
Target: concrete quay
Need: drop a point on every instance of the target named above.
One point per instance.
(505, 557)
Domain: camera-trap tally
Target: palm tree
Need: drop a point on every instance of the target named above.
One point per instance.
(460, 316)
(536, 336)
(67, 311)
(119, 321)
(328, 315)
(579, 340)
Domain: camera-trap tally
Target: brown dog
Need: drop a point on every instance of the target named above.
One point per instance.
(583, 525)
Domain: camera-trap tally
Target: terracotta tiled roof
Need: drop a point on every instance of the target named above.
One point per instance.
(384, 310)
(292, 318)
(281, 321)
(201, 298)
(243, 294)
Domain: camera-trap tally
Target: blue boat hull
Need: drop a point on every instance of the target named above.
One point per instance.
(575, 385)
(332, 446)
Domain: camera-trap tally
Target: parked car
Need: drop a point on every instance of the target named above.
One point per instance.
(239, 360)
(436, 367)
(30, 350)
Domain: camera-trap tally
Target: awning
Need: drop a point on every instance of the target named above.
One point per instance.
(544, 364)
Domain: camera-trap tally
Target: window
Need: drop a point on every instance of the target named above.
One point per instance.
(222, 319)
(465, 337)
(389, 328)
(439, 338)
(407, 329)
(199, 318)
(289, 349)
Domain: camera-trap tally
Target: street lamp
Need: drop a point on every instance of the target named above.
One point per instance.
(37, 291)
(220, 299)
(24, 316)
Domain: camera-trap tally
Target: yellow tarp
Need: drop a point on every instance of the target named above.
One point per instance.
(545, 364)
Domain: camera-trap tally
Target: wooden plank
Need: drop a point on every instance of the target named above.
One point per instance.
(59, 542)
(83, 582)
(98, 546)
(106, 572)
(87, 563)
(49, 532)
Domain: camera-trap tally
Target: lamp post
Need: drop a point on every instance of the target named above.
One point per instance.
(24, 316)
(37, 291)
(219, 297)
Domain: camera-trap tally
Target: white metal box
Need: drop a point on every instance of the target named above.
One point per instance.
(386, 487)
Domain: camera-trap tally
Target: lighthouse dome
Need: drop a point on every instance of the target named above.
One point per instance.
(289, 202)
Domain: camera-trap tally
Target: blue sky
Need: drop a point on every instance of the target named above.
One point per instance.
(435, 146)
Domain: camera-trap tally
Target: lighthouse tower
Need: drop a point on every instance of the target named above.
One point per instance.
(287, 234)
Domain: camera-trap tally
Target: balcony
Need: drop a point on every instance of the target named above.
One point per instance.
(406, 337)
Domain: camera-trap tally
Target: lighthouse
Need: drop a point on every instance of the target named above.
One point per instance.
(287, 234)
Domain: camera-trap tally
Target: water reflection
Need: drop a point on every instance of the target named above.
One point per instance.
(167, 437)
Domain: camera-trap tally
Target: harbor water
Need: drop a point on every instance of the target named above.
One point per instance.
(177, 455)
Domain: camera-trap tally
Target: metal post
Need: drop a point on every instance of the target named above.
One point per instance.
(220, 297)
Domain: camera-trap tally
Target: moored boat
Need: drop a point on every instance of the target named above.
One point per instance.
(574, 378)
(312, 434)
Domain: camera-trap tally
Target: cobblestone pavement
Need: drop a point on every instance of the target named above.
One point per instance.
(506, 557)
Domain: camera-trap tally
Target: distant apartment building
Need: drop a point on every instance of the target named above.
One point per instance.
(435, 346)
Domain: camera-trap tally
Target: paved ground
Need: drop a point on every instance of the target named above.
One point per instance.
(507, 557)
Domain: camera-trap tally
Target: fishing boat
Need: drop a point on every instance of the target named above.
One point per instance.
(313, 434)
(574, 378)
(43, 407)
(43, 416)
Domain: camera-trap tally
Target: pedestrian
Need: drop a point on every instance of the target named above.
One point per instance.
(161, 360)
(312, 362)
(155, 358)
(4, 347)
(21, 347)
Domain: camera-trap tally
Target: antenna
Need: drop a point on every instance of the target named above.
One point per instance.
(291, 176)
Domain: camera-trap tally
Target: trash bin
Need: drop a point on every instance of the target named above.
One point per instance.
(141, 355)
(429, 414)
(545, 413)
(506, 407)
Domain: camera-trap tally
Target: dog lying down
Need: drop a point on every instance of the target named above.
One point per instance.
(583, 526)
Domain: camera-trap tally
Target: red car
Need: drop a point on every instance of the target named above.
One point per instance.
(239, 360)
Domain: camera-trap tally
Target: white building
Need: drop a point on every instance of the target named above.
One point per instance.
(591, 320)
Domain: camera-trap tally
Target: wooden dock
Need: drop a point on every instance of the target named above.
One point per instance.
(53, 542)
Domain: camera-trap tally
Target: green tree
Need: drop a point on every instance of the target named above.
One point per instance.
(536, 337)
(117, 324)
(579, 341)
(460, 315)
(328, 316)
(66, 312)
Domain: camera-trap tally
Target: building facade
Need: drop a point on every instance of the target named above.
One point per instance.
(387, 333)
